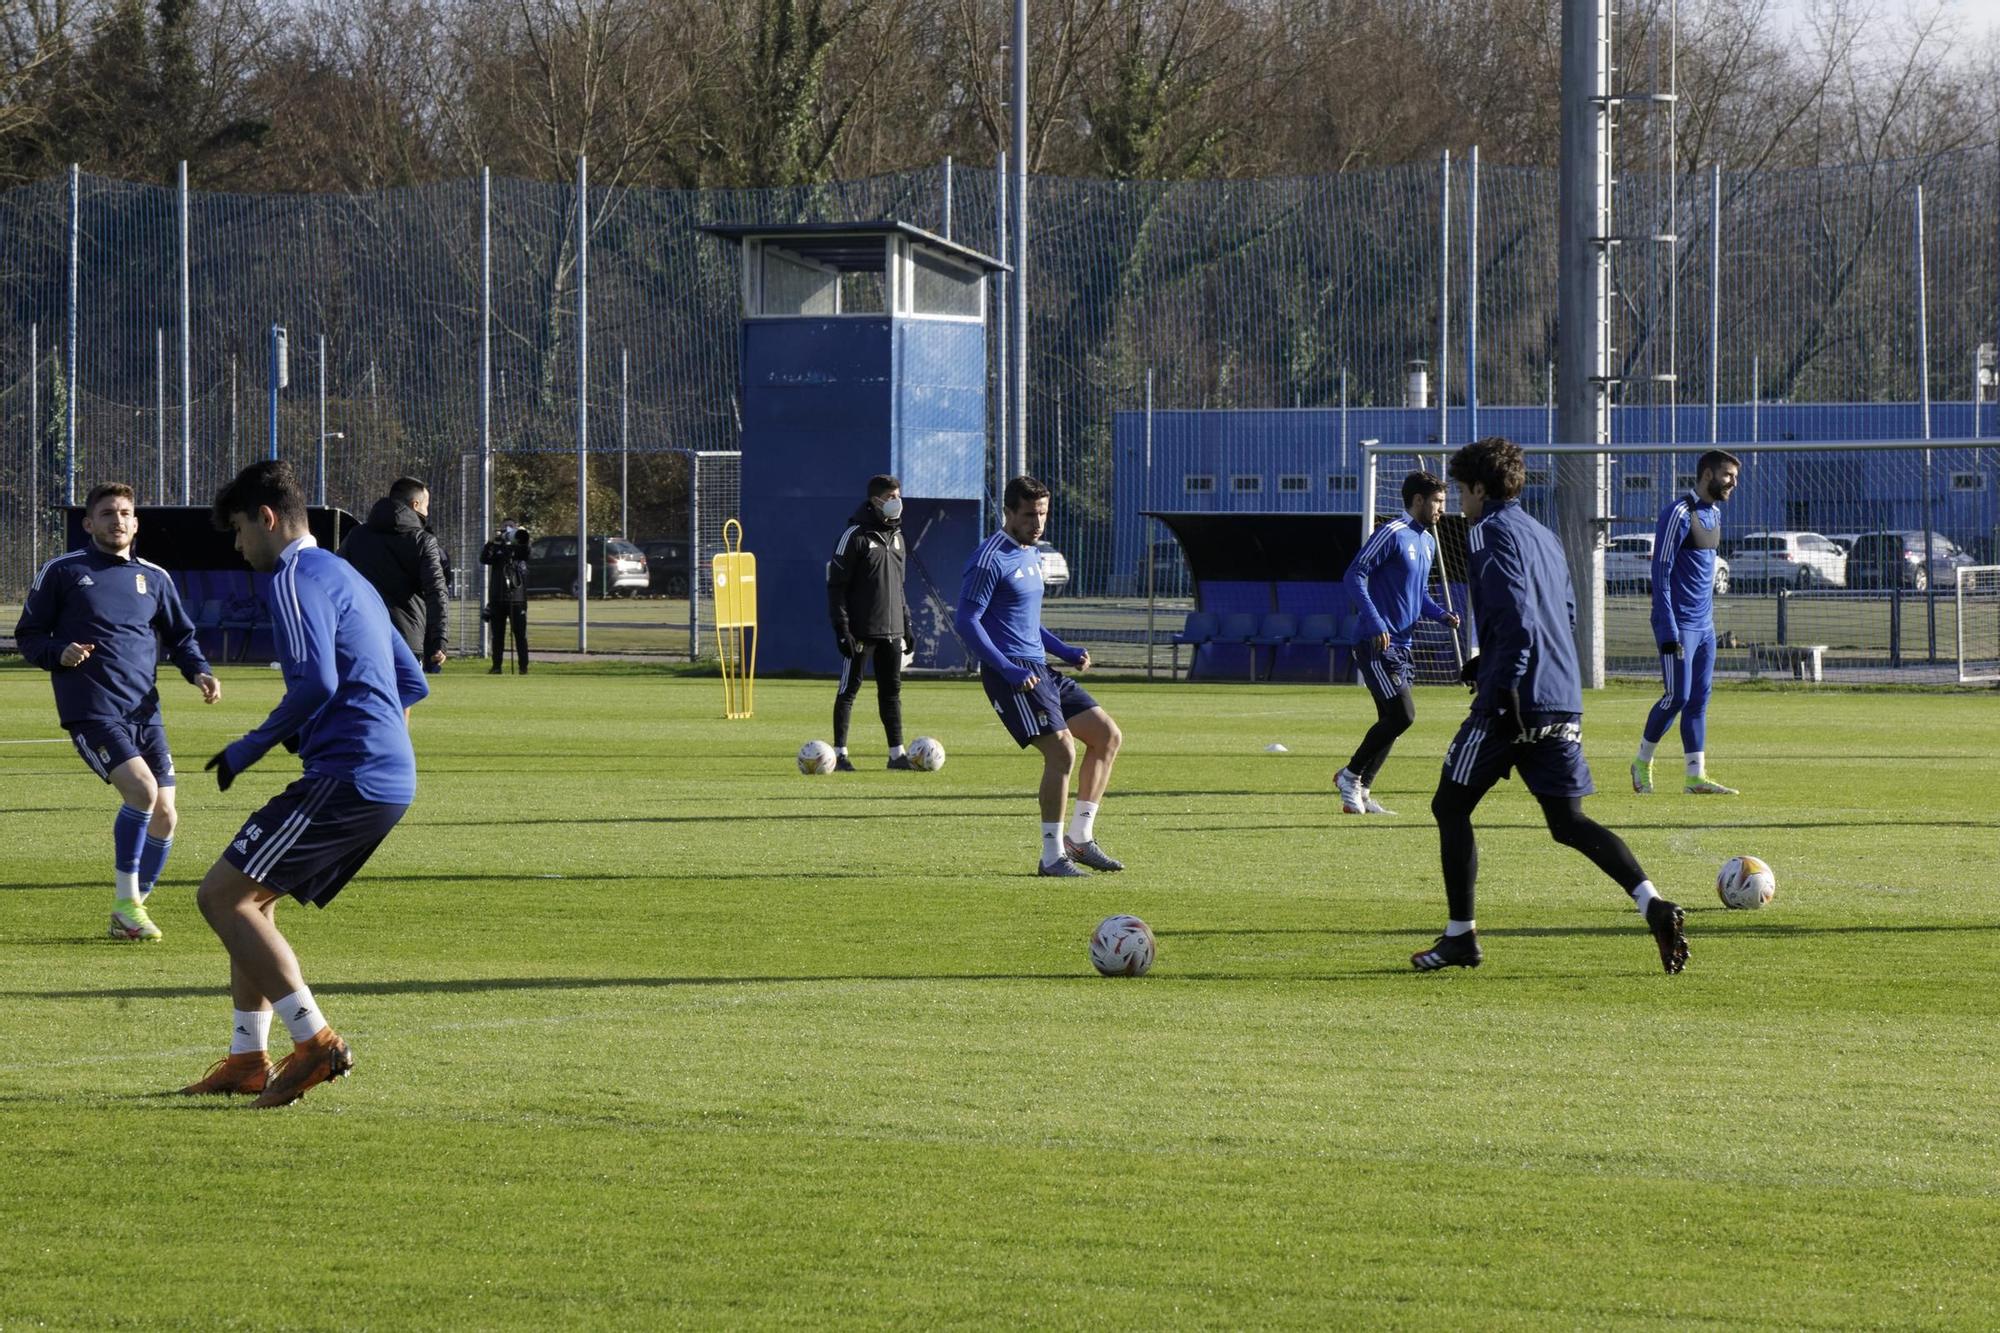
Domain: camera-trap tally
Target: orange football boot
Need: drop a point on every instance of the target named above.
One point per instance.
(320, 1058)
(244, 1073)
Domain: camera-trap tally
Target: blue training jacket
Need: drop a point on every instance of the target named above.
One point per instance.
(1388, 581)
(348, 678)
(125, 606)
(1000, 610)
(1525, 609)
(1685, 544)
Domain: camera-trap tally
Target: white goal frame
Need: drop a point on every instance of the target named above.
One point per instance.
(1966, 574)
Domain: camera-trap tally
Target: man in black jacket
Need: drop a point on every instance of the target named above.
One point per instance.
(396, 552)
(864, 594)
(507, 593)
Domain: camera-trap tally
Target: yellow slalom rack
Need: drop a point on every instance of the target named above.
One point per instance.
(735, 573)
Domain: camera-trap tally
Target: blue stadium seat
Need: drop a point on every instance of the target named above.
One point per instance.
(1200, 628)
(1276, 631)
(1239, 629)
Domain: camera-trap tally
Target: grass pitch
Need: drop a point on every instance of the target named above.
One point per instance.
(652, 1030)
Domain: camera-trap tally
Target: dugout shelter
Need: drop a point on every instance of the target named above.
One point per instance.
(863, 351)
(227, 600)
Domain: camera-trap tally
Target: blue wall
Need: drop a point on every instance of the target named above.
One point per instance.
(828, 403)
(1313, 448)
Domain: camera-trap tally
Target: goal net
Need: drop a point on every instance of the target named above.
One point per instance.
(1978, 614)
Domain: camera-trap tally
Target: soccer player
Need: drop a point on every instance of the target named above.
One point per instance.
(1684, 550)
(1000, 619)
(94, 620)
(349, 676)
(1387, 584)
(871, 617)
(1527, 707)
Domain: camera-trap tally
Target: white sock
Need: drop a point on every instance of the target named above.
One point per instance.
(1697, 763)
(302, 1017)
(895, 752)
(1459, 927)
(1081, 823)
(840, 749)
(1642, 897)
(1646, 749)
(1052, 848)
(250, 1032)
(126, 883)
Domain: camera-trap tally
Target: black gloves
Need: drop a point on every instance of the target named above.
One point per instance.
(1468, 672)
(1670, 648)
(224, 774)
(844, 643)
(291, 743)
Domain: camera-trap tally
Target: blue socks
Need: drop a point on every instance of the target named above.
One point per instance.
(152, 860)
(128, 837)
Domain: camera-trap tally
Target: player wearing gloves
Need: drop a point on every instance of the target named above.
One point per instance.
(871, 618)
(1684, 550)
(1000, 619)
(1527, 707)
(349, 677)
(1388, 585)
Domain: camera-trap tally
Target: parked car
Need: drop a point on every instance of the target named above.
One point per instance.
(617, 567)
(667, 566)
(1844, 540)
(1896, 560)
(1791, 560)
(1055, 568)
(1628, 566)
(1170, 571)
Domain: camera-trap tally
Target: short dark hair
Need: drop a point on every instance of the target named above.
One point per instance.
(1495, 463)
(406, 489)
(1421, 483)
(268, 483)
(1023, 490)
(881, 484)
(1714, 459)
(103, 489)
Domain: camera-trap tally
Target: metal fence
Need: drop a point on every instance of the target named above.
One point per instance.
(134, 319)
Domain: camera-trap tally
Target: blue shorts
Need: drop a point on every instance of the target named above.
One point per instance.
(1386, 673)
(311, 838)
(1551, 762)
(106, 745)
(1042, 711)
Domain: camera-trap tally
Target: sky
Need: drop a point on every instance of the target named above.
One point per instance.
(1979, 17)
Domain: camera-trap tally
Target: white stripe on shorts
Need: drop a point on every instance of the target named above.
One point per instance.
(288, 833)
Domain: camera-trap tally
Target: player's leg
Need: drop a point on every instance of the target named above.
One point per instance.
(1475, 760)
(1395, 713)
(1058, 758)
(138, 790)
(1608, 852)
(165, 817)
(889, 698)
(1101, 740)
(843, 704)
(1675, 677)
(247, 1067)
(1694, 721)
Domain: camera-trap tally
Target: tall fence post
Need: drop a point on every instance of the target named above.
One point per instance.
(34, 446)
(322, 421)
(694, 555)
(1924, 400)
(624, 442)
(1444, 300)
(1471, 300)
(1714, 304)
(1020, 302)
(947, 196)
(1146, 528)
(160, 413)
(485, 528)
(187, 375)
(74, 400)
(280, 377)
(582, 403)
(1003, 438)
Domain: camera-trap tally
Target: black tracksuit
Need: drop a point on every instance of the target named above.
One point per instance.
(507, 595)
(864, 594)
(400, 556)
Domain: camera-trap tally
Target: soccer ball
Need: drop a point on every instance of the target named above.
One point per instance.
(927, 753)
(1122, 946)
(816, 757)
(1746, 883)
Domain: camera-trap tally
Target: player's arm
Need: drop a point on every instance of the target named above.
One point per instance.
(431, 576)
(305, 622)
(974, 595)
(176, 630)
(1671, 531)
(1061, 651)
(839, 573)
(1432, 610)
(1368, 623)
(1503, 630)
(35, 631)
(410, 685)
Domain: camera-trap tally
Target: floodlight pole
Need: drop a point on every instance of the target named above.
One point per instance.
(1002, 438)
(947, 196)
(322, 421)
(1020, 303)
(279, 376)
(582, 403)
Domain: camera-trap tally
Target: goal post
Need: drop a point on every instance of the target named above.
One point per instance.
(1839, 557)
(1978, 607)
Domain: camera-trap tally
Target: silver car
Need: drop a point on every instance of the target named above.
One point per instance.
(1628, 566)
(1791, 560)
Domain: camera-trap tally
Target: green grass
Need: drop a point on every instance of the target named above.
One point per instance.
(652, 1030)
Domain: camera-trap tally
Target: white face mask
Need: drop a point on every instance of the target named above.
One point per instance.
(892, 508)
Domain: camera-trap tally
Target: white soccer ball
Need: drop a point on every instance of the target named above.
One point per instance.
(927, 753)
(1745, 883)
(1122, 946)
(816, 757)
